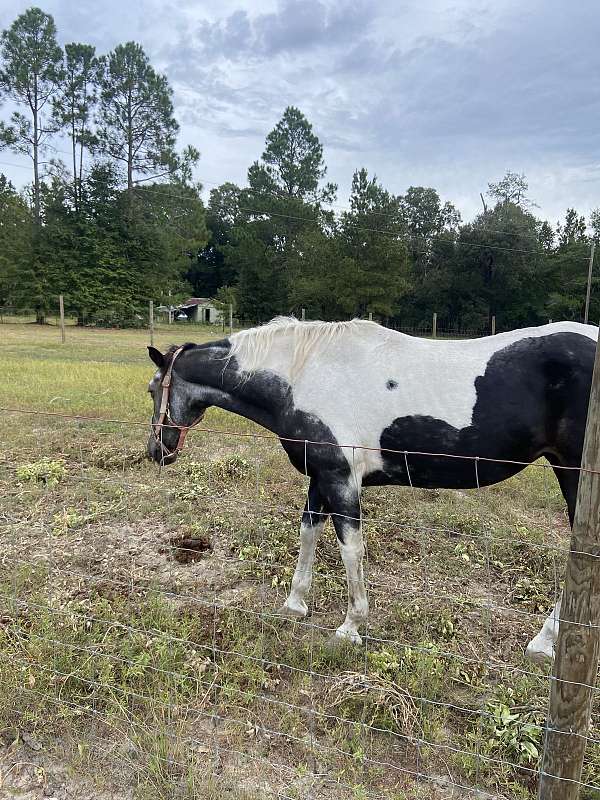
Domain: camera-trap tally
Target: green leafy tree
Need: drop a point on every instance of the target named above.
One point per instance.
(324, 281)
(262, 285)
(512, 188)
(16, 228)
(30, 74)
(226, 297)
(372, 236)
(567, 270)
(499, 268)
(595, 224)
(177, 215)
(546, 236)
(573, 230)
(427, 219)
(109, 257)
(210, 270)
(74, 105)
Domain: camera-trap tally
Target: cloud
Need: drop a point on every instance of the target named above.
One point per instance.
(448, 93)
(295, 26)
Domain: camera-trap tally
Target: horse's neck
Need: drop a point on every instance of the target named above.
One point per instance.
(220, 383)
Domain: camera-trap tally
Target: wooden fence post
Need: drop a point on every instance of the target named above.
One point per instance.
(577, 647)
(61, 305)
(589, 284)
(434, 325)
(151, 321)
(494, 325)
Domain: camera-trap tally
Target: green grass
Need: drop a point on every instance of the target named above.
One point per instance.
(136, 605)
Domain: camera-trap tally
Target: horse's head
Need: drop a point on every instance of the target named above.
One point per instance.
(176, 409)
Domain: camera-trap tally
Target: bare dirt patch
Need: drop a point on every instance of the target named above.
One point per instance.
(29, 772)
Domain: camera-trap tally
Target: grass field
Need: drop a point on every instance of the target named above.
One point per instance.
(139, 653)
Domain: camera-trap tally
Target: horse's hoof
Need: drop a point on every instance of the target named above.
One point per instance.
(348, 636)
(292, 612)
(539, 655)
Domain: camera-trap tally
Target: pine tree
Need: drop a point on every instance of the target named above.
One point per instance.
(73, 106)
(135, 121)
(30, 75)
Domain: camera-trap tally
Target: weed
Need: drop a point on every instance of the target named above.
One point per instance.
(506, 736)
(417, 623)
(532, 593)
(70, 517)
(65, 520)
(516, 736)
(46, 471)
(456, 518)
(108, 457)
(231, 468)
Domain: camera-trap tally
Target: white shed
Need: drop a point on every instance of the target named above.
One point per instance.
(200, 309)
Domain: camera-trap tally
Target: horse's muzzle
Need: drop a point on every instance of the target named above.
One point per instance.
(159, 454)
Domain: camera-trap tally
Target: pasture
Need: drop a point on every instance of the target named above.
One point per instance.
(140, 653)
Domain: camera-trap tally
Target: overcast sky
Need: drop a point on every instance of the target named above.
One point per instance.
(442, 93)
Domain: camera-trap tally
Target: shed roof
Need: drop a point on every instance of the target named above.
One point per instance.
(196, 301)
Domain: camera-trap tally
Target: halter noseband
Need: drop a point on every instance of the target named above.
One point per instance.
(158, 426)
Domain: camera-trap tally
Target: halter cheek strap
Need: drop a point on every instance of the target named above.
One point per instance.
(164, 412)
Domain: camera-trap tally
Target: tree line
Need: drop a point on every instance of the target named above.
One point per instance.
(120, 221)
(94, 231)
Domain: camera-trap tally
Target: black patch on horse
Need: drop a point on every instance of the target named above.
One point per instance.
(531, 401)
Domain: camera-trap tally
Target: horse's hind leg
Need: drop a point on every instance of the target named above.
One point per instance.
(541, 647)
(313, 521)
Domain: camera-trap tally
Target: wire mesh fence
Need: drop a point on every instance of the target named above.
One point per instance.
(140, 634)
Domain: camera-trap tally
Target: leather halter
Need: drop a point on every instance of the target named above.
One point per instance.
(163, 415)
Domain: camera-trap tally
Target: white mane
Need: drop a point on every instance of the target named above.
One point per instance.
(252, 347)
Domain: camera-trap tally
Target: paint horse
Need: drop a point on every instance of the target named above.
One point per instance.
(356, 404)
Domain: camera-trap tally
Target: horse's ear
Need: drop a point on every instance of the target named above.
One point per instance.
(156, 356)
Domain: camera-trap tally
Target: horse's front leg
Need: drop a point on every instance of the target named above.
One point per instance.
(313, 521)
(344, 506)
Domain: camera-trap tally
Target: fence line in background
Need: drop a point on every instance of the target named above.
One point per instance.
(62, 318)
(147, 319)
